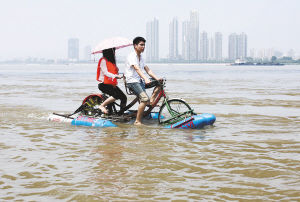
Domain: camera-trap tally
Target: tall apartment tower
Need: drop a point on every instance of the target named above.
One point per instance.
(173, 39)
(218, 46)
(237, 46)
(203, 46)
(73, 49)
(194, 35)
(232, 46)
(152, 51)
(185, 40)
(211, 48)
(242, 46)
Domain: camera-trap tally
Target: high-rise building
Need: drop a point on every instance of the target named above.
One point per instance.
(190, 37)
(73, 49)
(218, 46)
(203, 46)
(185, 40)
(152, 33)
(242, 46)
(173, 39)
(211, 48)
(237, 46)
(194, 35)
(232, 46)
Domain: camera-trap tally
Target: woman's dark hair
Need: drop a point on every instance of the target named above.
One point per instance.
(138, 39)
(109, 54)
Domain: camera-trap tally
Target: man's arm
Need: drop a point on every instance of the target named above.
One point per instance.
(150, 73)
(142, 75)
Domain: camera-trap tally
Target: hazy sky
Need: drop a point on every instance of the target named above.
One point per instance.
(41, 28)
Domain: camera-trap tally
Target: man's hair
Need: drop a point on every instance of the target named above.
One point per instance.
(138, 39)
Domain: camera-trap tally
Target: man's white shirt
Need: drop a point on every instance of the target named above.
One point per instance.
(131, 75)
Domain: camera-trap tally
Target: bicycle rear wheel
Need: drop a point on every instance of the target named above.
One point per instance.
(174, 111)
(90, 104)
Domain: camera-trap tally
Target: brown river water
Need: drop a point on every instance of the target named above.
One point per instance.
(252, 153)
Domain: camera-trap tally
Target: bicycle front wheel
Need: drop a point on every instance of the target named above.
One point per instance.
(174, 110)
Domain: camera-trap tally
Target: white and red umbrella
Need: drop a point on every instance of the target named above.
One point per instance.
(115, 42)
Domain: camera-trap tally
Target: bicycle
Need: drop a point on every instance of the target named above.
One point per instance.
(171, 110)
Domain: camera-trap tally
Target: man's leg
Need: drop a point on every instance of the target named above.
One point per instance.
(144, 100)
(139, 116)
(154, 94)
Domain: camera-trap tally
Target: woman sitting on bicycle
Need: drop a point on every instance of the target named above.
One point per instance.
(107, 75)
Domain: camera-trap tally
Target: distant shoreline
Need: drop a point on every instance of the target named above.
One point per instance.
(150, 63)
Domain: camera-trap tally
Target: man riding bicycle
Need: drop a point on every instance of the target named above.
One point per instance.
(136, 79)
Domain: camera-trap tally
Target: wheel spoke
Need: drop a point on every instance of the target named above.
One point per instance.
(170, 112)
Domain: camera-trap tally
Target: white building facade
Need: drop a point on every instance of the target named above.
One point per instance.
(152, 37)
(173, 39)
(73, 50)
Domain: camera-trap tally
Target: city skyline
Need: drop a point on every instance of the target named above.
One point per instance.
(41, 29)
(198, 46)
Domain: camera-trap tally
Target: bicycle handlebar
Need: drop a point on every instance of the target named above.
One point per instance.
(161, 82)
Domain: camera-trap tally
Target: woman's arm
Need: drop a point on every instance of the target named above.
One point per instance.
(104, 70)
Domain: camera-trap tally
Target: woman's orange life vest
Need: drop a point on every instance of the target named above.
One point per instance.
(112, 68)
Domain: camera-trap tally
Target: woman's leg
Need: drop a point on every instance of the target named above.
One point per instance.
(120, 95)
(116, 93)
(105, 103)
(107, 89)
